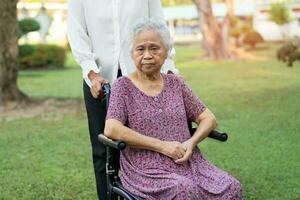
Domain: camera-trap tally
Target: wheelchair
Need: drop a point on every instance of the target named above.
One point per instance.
(115, 190)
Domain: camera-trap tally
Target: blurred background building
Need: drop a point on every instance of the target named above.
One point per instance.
(182, 20)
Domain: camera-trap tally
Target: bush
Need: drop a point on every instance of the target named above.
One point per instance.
(252, 38)
(289, 52)
(239, 28)
(26, 49)
(42, 56)
(236, 33)
(27, 25)
(279, 13)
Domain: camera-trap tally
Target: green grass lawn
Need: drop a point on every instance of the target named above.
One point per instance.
(257, 103)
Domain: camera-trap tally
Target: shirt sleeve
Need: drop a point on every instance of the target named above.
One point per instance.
(156, 12)
(117, 107)
(78, 38)
(193, 105)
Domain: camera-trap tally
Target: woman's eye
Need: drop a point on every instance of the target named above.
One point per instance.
(139, 50)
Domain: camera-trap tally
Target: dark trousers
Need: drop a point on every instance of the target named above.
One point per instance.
(96, 112)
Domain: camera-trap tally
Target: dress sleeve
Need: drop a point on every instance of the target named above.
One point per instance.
(117, 107)
(193, 105)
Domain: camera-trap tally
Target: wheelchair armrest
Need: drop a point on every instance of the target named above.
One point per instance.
(120, 145)
(217, 135)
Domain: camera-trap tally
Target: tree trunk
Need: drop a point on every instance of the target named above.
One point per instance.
(230, 8)
(9, 53)
(215, 35)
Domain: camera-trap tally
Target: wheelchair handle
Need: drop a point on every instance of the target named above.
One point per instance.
(106, 91)
(120, 145)
(106, 88)
(218, 135)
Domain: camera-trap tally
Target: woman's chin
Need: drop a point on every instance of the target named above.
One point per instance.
(149, 70)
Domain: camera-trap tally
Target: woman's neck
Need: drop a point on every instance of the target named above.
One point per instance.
(151, 85)
(147, 78)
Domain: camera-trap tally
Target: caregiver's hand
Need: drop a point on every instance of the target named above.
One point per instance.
(96, 84)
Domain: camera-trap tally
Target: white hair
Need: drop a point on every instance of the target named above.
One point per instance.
(154, 25)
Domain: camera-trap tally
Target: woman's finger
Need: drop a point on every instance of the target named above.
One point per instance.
(185, 158)
(181, 152)
(181, 160)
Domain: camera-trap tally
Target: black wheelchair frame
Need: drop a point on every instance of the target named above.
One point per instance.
(115, 189)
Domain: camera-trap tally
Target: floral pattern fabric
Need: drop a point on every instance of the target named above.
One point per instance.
(154, 176)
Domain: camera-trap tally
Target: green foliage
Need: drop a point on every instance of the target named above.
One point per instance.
(235, 32)
(252, 38)
(289, 52)
(27, 25)
(279, 13)
(176, 2)
(239, 29)
(26, 50)
(41, 56)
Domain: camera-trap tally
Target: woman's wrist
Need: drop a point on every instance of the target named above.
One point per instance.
(194, 141)
(159, 146)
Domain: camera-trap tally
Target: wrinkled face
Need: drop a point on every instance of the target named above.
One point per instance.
(149, 52)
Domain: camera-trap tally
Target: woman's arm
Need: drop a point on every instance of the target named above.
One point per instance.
(115, 130)
(206, 123)
(195, 111)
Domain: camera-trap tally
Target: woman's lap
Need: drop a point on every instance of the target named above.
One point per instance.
(200, 180)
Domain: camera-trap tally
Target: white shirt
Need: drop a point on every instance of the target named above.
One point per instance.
(97, 33)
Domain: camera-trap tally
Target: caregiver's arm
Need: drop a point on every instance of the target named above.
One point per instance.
(81, 46)
(115, 130)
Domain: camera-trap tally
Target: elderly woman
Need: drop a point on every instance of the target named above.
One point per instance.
(149, 111)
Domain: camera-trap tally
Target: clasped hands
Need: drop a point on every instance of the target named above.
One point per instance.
(179, 152)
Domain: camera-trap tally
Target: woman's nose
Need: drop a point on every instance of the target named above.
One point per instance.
(147, 54)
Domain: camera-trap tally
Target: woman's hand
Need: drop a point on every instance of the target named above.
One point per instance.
(188, 146)
(173, 149)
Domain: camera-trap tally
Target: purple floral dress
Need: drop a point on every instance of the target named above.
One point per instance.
(154, 176)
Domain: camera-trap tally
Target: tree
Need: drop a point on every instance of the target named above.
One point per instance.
(279, 14)
(9, 53)
(215, 34)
